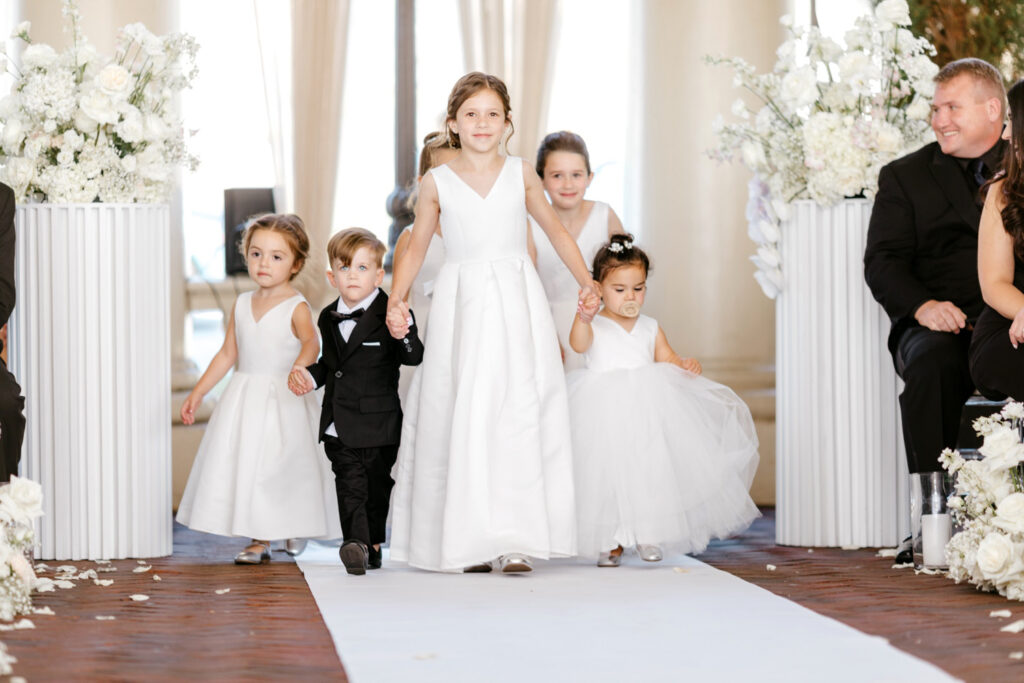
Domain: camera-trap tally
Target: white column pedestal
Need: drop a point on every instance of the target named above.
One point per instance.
(90, 345)
(841, 476)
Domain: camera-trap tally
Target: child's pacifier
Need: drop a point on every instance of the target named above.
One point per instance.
(630, 309)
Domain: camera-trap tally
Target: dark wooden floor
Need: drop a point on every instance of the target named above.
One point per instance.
(268, 626)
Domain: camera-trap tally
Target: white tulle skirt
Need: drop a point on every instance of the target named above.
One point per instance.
(662, 456)
(260, 472)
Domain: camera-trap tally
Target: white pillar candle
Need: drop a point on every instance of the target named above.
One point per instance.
(935, 533)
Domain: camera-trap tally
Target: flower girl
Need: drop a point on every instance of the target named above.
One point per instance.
(563, 164)
(485, 466)
(259, 472)
(664, 457)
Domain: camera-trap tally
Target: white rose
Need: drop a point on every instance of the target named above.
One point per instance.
(892, 13)
(85, 123)
(18, 172)
(131, 128)
(999, 440)
(1013, 409)
(1010, 513)
(888, 138)
(114, 79)
(98, 106)
(920, 108)
(13, 135)
(800, 87)
(26, 494)
(38, 56)
(995, 555)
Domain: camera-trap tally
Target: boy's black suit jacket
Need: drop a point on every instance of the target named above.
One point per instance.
(923, 238)
(361, 376)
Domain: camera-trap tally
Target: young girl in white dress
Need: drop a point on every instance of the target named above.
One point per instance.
(436, 151)
(563, 164)
(664, 457)
(260, 472)
(484, 471)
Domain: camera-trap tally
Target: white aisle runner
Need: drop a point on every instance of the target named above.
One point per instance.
(568, 621)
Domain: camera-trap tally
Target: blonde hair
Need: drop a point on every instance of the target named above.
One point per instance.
(344, 245)
(981, 72)
(289, 226)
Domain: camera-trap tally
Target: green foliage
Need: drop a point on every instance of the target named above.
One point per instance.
(992, 30)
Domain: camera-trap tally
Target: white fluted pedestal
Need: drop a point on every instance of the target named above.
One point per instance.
(90, 345)
(841, 477)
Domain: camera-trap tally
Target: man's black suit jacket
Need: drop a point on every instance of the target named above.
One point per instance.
(361, 376)
(6, 254)
(923, 238)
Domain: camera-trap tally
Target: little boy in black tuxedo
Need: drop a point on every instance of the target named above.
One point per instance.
(361, 419)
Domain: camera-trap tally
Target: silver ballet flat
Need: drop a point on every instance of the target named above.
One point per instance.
(648, 553)
(609, 559)
(254, 557)
(512, 564)
(294, 546)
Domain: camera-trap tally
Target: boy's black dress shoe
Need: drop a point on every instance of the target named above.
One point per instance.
(354, 556)
(373, 562)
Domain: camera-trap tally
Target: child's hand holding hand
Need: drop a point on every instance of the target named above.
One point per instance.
(299, 381)
(690, 365)
(587, 309)
(398, 319)
(589, 298)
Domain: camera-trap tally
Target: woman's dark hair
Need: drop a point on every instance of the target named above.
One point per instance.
(619, 251)
(562, 141)
(1013, 186)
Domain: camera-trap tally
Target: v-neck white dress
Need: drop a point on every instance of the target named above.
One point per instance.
(260, 472)
(485, 465)
(663, 456)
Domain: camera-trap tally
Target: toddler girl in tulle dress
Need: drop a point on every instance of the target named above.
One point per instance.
(663, 457)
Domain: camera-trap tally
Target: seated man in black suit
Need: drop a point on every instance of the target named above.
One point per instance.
(12, 419)
(361, 420)
(921, 261)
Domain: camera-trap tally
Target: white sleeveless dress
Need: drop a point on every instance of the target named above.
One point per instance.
(559, 284)
(662, 456)
(260, 472)
(485, 465)
(420, 297)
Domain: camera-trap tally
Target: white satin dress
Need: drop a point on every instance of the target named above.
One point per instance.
(260, 472)
(485, 465)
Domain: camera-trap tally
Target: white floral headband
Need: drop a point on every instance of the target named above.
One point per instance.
(616, 247)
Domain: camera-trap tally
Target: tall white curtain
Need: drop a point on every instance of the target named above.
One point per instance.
(319, 42)
(515, 40)
(275, 63)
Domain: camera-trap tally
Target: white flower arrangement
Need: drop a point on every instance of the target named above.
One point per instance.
(988, 506)
(78, 127)
(828, 119)
(20, 503)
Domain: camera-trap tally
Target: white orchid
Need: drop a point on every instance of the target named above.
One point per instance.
(830, 116)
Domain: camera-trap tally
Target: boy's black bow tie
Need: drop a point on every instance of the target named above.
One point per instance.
(354, 315)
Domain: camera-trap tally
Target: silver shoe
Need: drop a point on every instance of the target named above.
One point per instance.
(294, 546)
(648, 553)
(609, 559)
(513, 563)
(254, 557)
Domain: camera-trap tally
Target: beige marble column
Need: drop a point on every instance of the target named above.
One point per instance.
(689, 210)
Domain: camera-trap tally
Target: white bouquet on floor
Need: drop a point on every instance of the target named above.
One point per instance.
(988, 506)
(21, 502)
(79, 127)
(827, 119)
